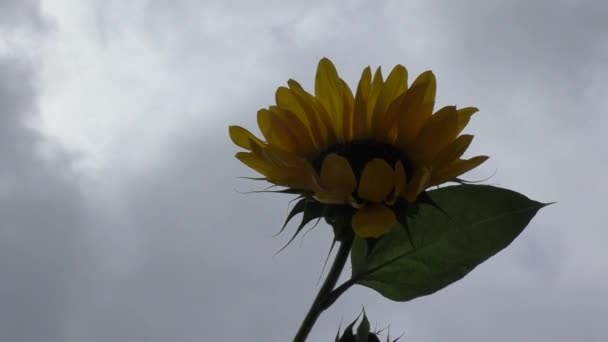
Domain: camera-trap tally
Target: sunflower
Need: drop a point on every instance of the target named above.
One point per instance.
(372, 151)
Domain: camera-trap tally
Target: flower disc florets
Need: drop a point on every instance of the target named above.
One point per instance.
(360, 152)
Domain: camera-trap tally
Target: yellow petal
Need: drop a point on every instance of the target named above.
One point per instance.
(281, 158)
(417, 107)
(328, 90)
(377, 181)
(453, 151)
(296, 130)
(347, 119)
(328, 197)
(255, 162)
(337, 177)
(281, 168)
(439, 131)
(373, 220)
(388, 129)
(277, 157)
(360, 125)
(315, 112)
(400, 181)
(333, 125)
(288, 100)
(420, 181)
(395, 85)
(374, 92)
(295, 177)
(456, 169)
(243, 138)
(464, 116)
(275, 131)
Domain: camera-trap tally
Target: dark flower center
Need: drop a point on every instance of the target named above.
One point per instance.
(360, 152)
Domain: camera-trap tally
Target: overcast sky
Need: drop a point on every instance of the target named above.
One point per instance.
(119, 198)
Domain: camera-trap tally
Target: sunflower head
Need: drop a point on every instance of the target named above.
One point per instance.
(369, 153)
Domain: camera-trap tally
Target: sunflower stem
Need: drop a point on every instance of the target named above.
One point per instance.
(320, 303)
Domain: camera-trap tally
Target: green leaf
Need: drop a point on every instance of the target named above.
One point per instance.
(469, 224)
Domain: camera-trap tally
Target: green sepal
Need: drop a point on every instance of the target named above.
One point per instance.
(290, 191)
(363, 334)
(310, 210)
(297, 209)
(363, 329)
(348, 335)
(339, 218)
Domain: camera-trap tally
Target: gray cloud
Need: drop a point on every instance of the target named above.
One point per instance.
(173, 252)
(42, 214)
(21, 15)
(42, 241)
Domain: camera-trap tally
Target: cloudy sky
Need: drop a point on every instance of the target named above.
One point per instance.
(122, 214)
